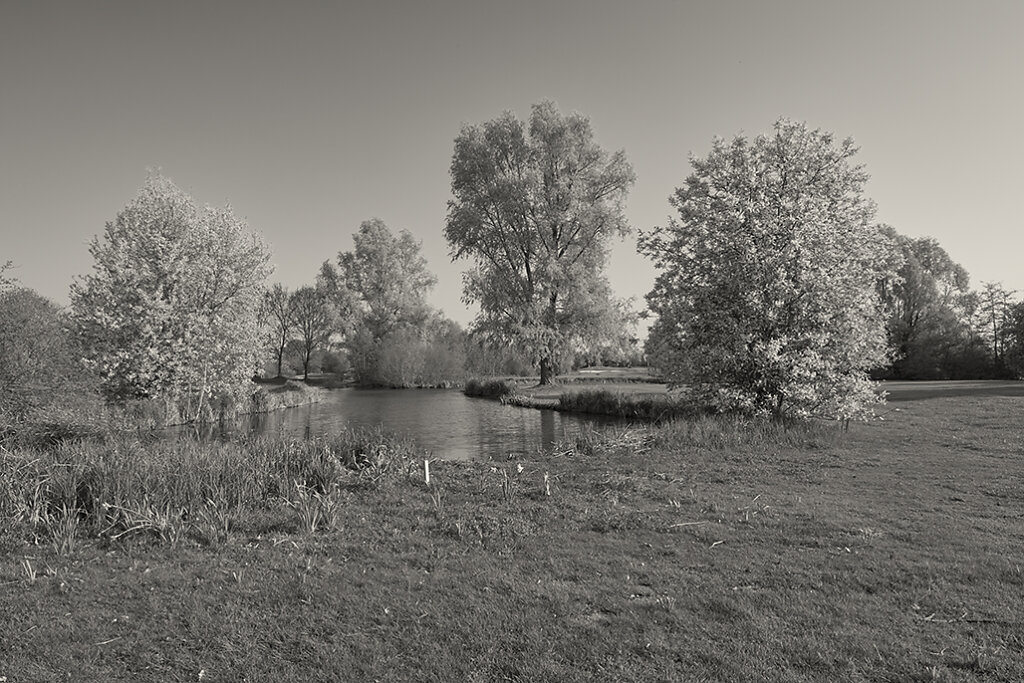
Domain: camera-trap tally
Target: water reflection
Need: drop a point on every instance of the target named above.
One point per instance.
(444, 422)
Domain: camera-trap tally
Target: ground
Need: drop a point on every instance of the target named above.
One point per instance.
(695, 552)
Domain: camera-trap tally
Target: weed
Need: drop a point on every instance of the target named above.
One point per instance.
(308, 508)
(30, 572)
(63, 529)
(509, 486)
(437, 499)
(163, 521)
(316, 509)
(213, 522)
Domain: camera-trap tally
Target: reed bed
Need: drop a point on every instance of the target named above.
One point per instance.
(122, 486)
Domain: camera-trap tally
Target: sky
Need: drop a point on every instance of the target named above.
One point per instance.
(311, 117)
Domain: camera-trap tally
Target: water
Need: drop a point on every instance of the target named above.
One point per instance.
(444, 422)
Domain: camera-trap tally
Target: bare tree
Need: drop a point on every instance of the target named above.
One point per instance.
(279, 317)
(313, 322)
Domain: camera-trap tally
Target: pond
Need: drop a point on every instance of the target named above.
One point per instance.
(444, 422)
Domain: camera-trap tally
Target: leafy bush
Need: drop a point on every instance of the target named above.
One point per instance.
(490, 388)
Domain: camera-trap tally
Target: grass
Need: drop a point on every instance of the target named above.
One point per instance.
(82, 417)
(707, 549)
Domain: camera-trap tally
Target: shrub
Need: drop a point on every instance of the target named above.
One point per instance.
(618, 404)
(490, 388)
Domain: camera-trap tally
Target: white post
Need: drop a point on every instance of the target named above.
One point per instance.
(426, 471)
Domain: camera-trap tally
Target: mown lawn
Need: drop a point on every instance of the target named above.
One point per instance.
(892, 553)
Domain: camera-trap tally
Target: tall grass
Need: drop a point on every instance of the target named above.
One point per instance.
(121, 486)
(86, 417)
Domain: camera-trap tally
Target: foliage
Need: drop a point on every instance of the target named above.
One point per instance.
(534, 207)
(483, 357)
(39, 369)
(381, 285)
(1014, 328)
(621, 404)
(313, 318)
(929, 303)
(170, 310)
(426, 357)
(767, 299)
(379, 292)
(6, 282)
(490, 388)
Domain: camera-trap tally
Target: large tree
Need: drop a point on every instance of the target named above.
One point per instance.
(928, 300)
(171, 308)
(767, 298)
(378, 290)
(382, 284)
(535, 205)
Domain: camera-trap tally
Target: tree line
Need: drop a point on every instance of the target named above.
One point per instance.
(778, 292)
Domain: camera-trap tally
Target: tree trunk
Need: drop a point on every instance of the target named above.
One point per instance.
(545, 370)
(280, 360)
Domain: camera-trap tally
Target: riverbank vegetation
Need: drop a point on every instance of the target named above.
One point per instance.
(716, 548)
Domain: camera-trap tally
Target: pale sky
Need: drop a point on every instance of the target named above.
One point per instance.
(310, 117)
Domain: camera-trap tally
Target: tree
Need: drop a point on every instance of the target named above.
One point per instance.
(378, 290)
(382, 284)
(928, 299)
(279, 317)
(767, 298)
(995, 308)
(1014, 354)
(313, 319)
(38, 361)
(170, 310)
(6, 282)
(534, 208)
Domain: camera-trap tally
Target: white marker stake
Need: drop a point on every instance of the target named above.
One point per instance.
(426, 471)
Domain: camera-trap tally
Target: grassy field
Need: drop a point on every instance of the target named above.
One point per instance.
(700, 551)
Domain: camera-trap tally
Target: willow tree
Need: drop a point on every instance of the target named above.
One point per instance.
(535, 206)
(170, 310)
(767, 299)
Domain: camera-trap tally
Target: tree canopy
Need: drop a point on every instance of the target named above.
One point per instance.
(38, 361)
(767, 297)
(378, 290)
(534, 206)
(170, 309)
(5, 282)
